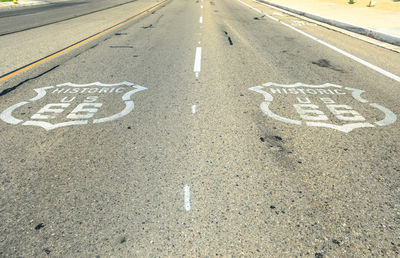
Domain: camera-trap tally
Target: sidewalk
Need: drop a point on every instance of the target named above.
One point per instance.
(21, 3)
(383, 18)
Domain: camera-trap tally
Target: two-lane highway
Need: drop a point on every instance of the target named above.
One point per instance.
(202, 128)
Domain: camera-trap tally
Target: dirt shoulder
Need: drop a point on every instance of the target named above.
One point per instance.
(387, 5)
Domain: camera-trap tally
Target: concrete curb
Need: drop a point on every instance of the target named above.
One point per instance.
(347, 26)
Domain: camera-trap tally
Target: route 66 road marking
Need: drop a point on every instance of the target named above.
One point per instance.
(306, 104)
(76, 104)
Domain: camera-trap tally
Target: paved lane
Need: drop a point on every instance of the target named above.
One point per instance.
(42, 42)
(197, 168)
(20, 19)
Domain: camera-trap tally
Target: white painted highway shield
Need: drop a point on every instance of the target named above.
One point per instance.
(327, 105)
(73, 104)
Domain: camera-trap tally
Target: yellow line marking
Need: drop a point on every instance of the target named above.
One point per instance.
(20, 70)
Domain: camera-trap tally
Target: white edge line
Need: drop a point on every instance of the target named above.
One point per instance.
(193, 109)
(337, 29)
(359, 60)
(201, 19)
(186, 190)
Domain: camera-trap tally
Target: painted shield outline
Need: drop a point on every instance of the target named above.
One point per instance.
(7, 116)
(390, 117)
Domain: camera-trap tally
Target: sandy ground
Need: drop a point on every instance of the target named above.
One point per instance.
(387, 5)
(21, 3)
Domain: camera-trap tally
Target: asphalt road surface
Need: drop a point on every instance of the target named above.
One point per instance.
(20, 19)
(200, 128)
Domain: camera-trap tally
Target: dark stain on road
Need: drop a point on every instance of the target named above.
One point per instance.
(121, 46)
(276, 137)
(47, 251)
(39, 226)
(147, 27)
(275, 143)
(120, 34)
(123, 240)
(229, 38)
(259, 18)
(326, 64)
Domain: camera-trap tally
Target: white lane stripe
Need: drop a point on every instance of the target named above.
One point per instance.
(201, 7)
(197, 60)
(193, 109)
(201, 19)
(186, 190)
(359, 60)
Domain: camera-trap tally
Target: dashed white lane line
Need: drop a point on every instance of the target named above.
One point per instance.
(359, 60)
(201, 7)
(197, 61)
(186, 191)
(201, 19)
(193, 109)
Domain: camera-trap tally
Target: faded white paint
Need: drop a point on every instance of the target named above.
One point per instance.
(186, 191)
(81, 112)
(312, 115)
(197, 61)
